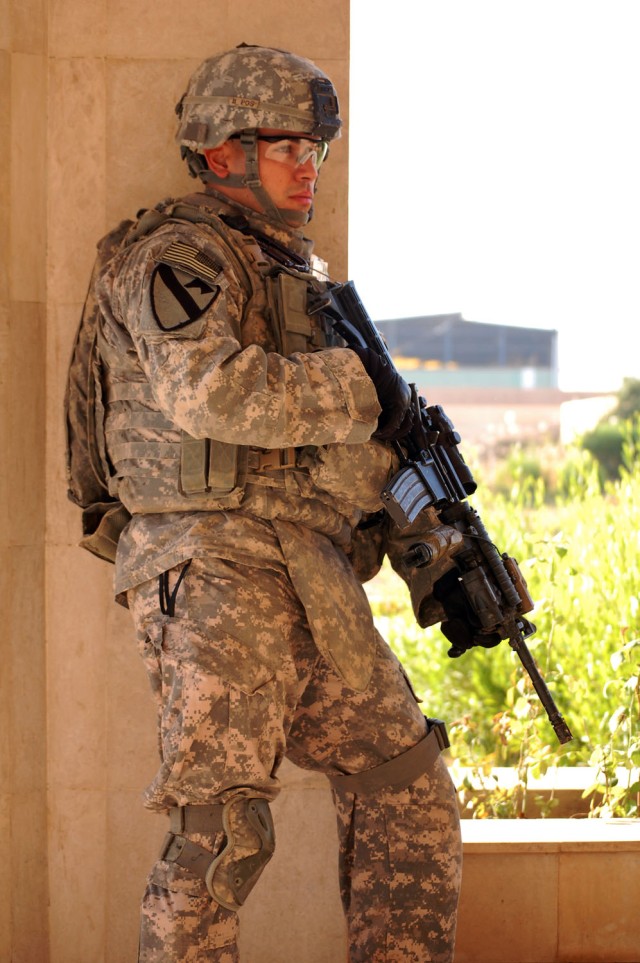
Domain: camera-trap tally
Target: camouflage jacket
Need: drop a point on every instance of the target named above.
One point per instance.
(236, 427)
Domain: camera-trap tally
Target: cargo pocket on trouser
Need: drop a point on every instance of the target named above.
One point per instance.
(220, 713)
(179, 921)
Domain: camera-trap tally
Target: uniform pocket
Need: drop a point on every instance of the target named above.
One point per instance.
(354, 473)
(219, 706)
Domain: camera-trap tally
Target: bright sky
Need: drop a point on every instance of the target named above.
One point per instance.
(495, 170)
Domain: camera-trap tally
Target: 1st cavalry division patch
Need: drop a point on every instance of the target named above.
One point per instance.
(183, 285)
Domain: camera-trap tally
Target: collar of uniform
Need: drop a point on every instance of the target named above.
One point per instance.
(220, 204)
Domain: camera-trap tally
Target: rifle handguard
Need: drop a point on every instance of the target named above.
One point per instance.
(526, 602)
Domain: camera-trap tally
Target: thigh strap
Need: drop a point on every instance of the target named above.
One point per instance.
(184, 852)
(191, 819)
(196, 819)
(399, 772)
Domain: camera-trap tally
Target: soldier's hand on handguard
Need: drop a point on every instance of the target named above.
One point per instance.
(394, 396)
(461, 627)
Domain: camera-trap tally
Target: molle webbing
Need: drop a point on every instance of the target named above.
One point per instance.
(211, 472)
(399, 772)
(212, 466)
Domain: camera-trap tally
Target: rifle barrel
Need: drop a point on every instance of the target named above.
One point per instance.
(560, 727)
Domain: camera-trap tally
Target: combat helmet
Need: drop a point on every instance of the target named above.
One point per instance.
(251, 87)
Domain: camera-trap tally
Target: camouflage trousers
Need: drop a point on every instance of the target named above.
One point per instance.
(239, 684)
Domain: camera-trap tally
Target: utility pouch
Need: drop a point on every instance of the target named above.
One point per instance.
(287, 299)
(102, 525)
(212, 467)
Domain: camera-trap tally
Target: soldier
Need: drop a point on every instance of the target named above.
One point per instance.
(249, 446)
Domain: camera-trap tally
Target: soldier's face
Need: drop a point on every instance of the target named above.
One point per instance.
(290, 184)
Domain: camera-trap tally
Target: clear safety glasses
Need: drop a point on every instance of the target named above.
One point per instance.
(295, 151)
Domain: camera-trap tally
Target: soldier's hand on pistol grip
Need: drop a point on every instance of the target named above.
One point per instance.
(460, 627)
(394, 396)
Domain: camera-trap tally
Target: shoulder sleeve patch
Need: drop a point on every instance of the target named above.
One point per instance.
(183, 286)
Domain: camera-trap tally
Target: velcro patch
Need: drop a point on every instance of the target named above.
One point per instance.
(194, 261)
(184, 284)
(179, 298)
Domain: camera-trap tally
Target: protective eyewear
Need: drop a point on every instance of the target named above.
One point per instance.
(294, 151)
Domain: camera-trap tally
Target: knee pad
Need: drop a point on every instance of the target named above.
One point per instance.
(250, 844)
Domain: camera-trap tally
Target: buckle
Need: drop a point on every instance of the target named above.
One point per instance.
(439, 728)
(276, 459)
(171, 848)
(177, 819)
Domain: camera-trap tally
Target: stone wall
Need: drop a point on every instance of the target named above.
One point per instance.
(86, 127)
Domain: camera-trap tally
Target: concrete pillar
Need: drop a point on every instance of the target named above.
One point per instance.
(87, 128)
(23, 309)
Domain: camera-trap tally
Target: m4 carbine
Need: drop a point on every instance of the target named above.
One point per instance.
(433, 473)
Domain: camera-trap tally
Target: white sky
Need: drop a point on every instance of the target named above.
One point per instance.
(495, 170)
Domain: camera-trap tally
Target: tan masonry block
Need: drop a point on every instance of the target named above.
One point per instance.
(29, 889)
(493, 924)
(26, 26)
(5, 420)
(143, 160)
(6, 882)
(78, 28)
(77, 186)
(25, 422)
(77, 844)
(5, 185)
(79, 595)
(28, 157)
(23, 631)
(6, 26)
(313, 29)
(148, 28)
(599, 903)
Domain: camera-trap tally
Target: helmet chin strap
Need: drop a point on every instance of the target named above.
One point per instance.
(251, 179)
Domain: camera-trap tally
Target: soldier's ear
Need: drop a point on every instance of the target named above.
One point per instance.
(217, 159)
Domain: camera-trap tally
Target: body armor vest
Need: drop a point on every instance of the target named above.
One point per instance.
(152, 466)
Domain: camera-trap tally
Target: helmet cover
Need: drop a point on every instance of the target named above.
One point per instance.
(256, 87)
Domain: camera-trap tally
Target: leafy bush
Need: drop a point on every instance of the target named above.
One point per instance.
(579, 549)
(606, 443)
(628, 400)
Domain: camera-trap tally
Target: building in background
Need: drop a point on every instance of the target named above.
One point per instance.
(498, 384)
(459, 353)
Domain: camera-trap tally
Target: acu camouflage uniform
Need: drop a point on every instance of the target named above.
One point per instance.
(238, 436)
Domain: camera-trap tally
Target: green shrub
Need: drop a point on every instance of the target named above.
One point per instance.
(580, 554)
(628, 400)
(606, 444)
